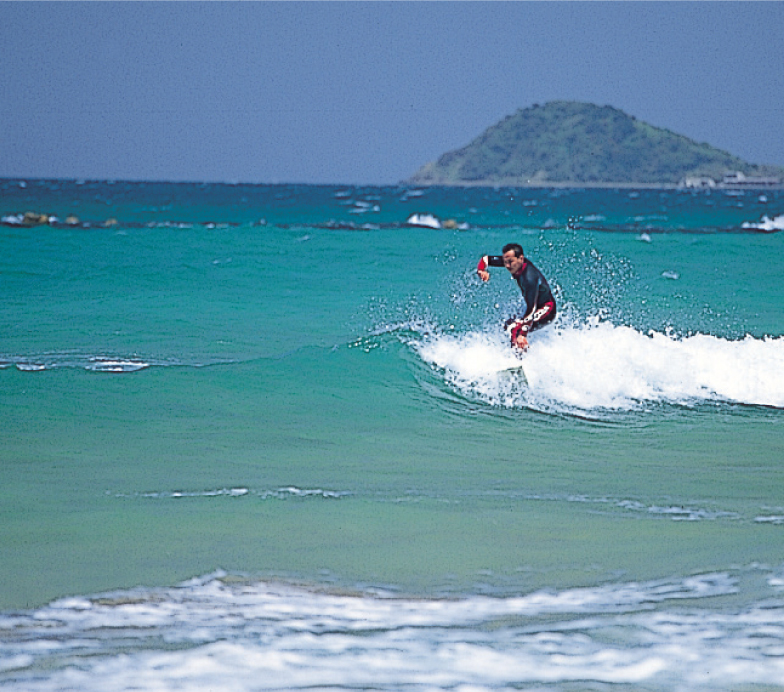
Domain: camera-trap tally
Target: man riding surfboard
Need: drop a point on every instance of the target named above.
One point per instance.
(539, 301)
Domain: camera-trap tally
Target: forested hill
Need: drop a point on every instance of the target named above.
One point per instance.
(567, 142)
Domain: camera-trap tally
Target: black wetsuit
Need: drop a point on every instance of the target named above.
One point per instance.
(539, 301)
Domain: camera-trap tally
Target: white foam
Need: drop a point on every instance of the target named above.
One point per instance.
(217, 633)
(424, 220)
(93, 363)
(13, 220)
(603, 366)
(767, 224)
(104, 364)
(278, 494)
(30, 367)
(776, 519)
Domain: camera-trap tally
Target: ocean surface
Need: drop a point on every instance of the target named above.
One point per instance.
(273, 438)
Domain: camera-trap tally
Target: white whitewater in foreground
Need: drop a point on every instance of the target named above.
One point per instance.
(214, 633)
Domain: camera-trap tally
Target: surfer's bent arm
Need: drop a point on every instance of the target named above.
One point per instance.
(488, 261)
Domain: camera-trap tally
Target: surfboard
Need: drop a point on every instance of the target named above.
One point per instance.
(516, 372)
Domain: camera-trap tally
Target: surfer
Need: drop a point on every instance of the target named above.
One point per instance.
(539, 301)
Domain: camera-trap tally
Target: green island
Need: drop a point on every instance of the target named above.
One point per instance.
(565, 143)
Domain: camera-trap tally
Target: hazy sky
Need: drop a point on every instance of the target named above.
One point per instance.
(363, 92)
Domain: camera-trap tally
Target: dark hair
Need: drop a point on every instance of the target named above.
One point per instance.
(518, 249)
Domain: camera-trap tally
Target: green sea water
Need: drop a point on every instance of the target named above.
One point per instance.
(318, 398)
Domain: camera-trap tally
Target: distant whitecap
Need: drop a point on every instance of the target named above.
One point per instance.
(767, 224)
(423, 221)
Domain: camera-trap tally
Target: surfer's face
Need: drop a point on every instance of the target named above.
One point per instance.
(513, 263)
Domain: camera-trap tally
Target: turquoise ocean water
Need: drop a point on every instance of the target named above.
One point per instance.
(263, 437)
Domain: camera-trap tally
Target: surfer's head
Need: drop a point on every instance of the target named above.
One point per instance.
(514, 260)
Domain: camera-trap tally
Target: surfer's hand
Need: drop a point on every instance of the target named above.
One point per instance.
(521, 342)
(483, 274)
